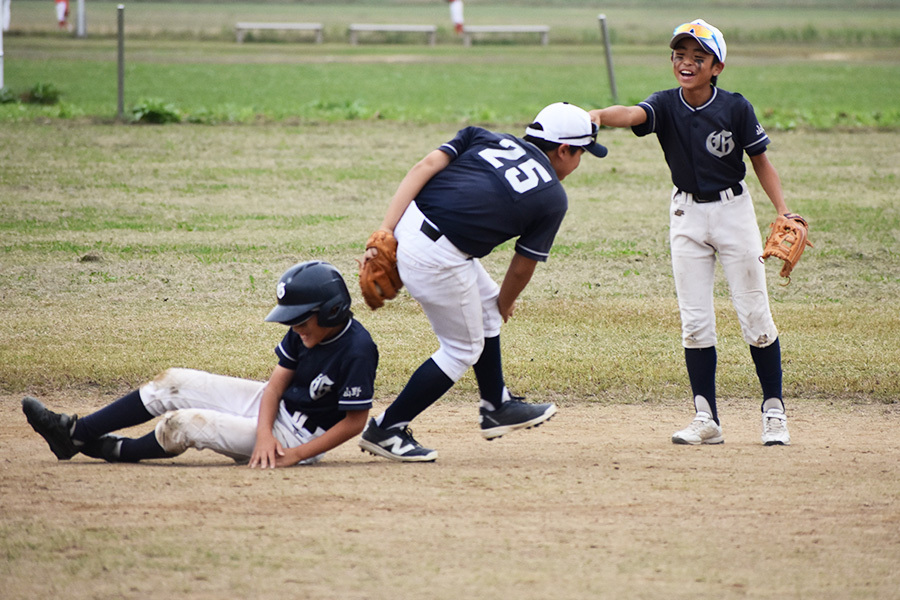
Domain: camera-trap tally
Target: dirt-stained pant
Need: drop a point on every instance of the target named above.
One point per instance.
(202, 410)
(727, 229)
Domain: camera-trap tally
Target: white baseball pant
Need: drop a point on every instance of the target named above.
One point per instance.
(202, 410)
(698, 233)
(457, 294)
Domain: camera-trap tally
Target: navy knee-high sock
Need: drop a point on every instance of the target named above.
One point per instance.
(425, 386)
(768, 369)
(127, 411)
(701, 368)
(489, 373)
(143, 447)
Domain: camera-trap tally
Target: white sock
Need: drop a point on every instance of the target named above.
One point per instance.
(701, 404)
(773, 404)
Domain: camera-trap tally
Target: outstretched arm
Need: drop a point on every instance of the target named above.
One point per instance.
(619, 116)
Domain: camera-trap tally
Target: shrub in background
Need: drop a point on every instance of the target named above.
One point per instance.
(7, 97)
(153, 110)
(42, 93)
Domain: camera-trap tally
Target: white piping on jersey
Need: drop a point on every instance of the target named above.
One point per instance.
(338, 336)
(288, 356)
(544, 254)
(450, 147)
(346, 402)
(294, 358)
(695, 109)
(652, 115)
(759, 141)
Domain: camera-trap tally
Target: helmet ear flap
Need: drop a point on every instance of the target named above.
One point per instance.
(336, 310)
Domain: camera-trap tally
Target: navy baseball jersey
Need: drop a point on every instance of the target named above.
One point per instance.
(704, 145)
(330, 378)
(496, 187)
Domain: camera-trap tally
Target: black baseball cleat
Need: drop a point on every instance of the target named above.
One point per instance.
(54, 428)
(395, 444)
(105, 447)
(512, 415)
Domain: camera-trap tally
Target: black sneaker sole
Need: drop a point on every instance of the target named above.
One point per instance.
(496, 432)
(376, 450)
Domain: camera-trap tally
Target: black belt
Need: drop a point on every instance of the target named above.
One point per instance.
(736, 189)
(432, 233)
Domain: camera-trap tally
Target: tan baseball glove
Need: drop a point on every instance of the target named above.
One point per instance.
(787, 241)
(379, 278)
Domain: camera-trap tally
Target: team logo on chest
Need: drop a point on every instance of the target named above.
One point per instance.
(720, 143)
(320, 386)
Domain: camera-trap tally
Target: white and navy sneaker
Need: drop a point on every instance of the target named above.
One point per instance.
(512, 415)
(395, 444)
(702, 430)
(774, 428)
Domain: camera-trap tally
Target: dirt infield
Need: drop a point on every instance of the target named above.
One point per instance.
(597, 503)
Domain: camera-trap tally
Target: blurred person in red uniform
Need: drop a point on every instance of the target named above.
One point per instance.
(62, 13)
(456, 14)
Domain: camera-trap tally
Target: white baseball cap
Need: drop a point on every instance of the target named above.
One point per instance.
(565, 123)
(706, 35)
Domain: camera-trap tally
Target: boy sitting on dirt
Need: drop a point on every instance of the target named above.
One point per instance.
(317, 397)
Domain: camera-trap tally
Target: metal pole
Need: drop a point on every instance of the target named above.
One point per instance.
(81, 21)
(4, 6)
(121, 15)
(1, 52)
(609, 64)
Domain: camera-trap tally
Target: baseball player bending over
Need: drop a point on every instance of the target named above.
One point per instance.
(454, 206)
(704, 132)
(317, 397)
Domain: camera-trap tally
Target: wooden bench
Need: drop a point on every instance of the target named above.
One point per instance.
(469, 30)
(242, 28)
(355, 29)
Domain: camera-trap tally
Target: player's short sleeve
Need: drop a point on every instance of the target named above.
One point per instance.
(651, 106)
(752, 132)
(536, 242)
(358, 386)
(287, 350)
(459, 143)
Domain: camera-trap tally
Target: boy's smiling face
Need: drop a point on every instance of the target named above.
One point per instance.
(693, 66)
(312, 334)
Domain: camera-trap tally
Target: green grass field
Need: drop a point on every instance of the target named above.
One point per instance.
(131, 249)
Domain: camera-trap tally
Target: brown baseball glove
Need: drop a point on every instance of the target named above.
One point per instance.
(379, 278)
(787, 241)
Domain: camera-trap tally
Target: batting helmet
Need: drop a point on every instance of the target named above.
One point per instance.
(311, 287)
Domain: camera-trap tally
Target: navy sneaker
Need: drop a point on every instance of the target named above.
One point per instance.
(54, 428)
(395, 444)
(512, 415)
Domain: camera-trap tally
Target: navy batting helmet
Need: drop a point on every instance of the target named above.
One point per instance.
(311, 287)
